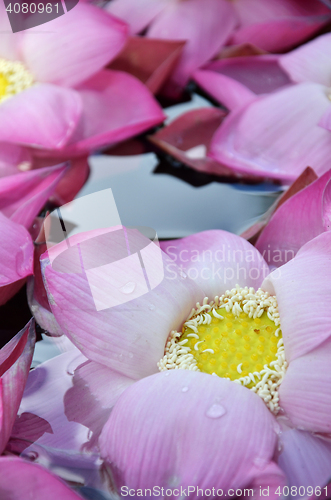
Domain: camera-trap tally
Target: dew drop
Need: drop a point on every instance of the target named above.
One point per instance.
(74, 363)
(151, 307)
(185, 389)
(182, 274)
(166, 374)
(130, 355)
(128, 287)
(32, 455)
(216, 411)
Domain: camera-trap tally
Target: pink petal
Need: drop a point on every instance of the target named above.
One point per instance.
(16, 252)
(100, 324)
(261, 74)
(50, 381)
(305, 393)
(74, 178)
(183, 428)
(225, 90)
(187, 139)
(304, 180)
(22, 196)
(325, 121)
(306, 459)
(278, 135)
(216, 261)
(20, 479)
(310, 62)
(304, 216)
(303, 290)
(205, 25)
(13, 158)
(115, 106)
(80, 43)
(41, 116)
(151, 61)
(15, 361)
(95, 390)
(9, 42)
(278, 25)
(138, 19)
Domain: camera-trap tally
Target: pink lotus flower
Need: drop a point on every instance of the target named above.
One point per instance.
(279, 134)
(210, 24)
(56, 96)
(182, 427)
(22, 196)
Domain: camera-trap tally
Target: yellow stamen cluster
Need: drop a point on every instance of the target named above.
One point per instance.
(235, 336)
(13, 78)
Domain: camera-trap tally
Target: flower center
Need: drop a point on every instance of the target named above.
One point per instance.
(236, 336)
(13, 78)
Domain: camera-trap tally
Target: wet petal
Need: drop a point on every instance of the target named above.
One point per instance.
(310, 62)
(305, 393)
(217, 261)
(306, 460)
(303, 290)
(20, 479)
(42, 116)
(206, 27)
(15, 361)
(16, 252)
(81, 43)
(13, 159)
(115, 106)
(277, 135)
(108, 310)
(304, 216)
(184, 428)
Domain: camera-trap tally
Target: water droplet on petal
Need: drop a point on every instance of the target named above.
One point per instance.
(182, 274)
(166, 374)
(74, 363)
(216, 411)
(185, 389)
(130, 355)
(32, 455)
(151, 307)
(128, 287)
(260, 462)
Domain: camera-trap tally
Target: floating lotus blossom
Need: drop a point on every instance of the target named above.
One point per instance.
(208, 26)
(55, 95)
(22, 196)
(279, 134)
(193, 320)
